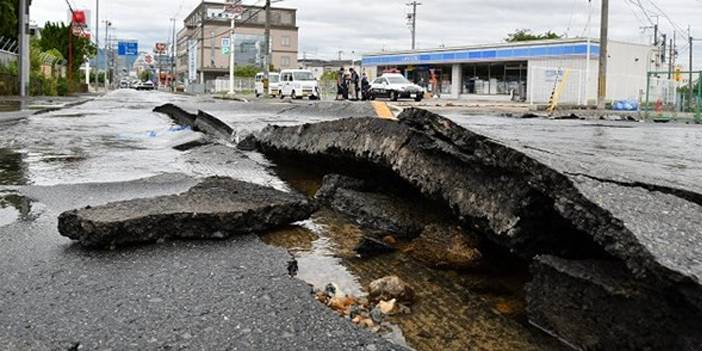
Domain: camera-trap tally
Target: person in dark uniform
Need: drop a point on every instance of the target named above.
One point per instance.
(365, 87)
(340, 83)
(354, 87)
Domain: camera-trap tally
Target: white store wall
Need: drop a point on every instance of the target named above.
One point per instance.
(627, 68)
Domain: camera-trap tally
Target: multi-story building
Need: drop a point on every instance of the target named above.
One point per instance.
(199, 49)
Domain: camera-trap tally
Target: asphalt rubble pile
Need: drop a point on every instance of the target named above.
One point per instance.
(387, 296)
(608, 271)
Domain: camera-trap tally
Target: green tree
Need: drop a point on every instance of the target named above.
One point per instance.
(248, 71)
(8, 18)
(55, 36)
(145, 75)
(329, 76)
(520, 35)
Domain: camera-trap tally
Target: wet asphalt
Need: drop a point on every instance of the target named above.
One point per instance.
(237, 294)
(55, 295)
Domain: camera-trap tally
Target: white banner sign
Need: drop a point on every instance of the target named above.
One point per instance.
(192, 60)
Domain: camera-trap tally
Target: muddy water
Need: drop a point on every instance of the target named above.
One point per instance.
(455, 310)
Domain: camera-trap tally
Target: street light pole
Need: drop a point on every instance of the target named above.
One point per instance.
(24, 46)
(602, 78)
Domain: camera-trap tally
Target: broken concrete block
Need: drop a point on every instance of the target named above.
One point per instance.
(216, 208)
(597, 305)
(446, 247)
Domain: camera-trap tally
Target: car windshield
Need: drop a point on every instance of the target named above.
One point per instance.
(397, 80)
(301, 76)
(274, 78)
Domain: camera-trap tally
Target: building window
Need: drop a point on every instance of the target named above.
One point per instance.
(285, 61)
(285, 41)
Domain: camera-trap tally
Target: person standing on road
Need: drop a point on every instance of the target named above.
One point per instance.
(365, 87)
(345, 85)
(340, 83)
(353, 87)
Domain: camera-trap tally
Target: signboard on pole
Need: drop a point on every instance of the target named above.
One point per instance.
(126, 48)
(226, 45)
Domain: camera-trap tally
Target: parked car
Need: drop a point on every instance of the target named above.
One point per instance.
(298, 84)
(273, 86)
(395, 86)
(147, 85)
(124, 84)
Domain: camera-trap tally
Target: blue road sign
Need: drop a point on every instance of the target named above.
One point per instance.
(127, 48)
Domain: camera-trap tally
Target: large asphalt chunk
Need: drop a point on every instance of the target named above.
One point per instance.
(217, 208)
(595, 304)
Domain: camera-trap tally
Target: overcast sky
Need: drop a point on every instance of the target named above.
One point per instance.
(329, 26)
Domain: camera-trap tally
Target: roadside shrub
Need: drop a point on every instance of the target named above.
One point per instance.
(62, 87)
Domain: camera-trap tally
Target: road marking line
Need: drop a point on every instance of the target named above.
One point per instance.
(382, 110)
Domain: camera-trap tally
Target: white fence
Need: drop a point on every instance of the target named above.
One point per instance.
(6, 57)
(577, 88)
(221, 85)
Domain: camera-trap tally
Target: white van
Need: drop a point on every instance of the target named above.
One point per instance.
(298, 84)
(273, 87)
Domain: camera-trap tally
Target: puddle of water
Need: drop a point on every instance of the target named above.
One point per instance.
(14, 207)
(454, 311)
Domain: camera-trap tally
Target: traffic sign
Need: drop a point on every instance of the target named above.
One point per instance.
(160, 48)
(127, 48)
(226, 46)
(148, 59)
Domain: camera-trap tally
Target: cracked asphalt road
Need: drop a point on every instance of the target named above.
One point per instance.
(225, 295)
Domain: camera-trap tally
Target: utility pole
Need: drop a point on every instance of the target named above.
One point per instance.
(267, 60)
(602, 80)
(232, 60)
(690, 94)
(97, 43)
(203, 13)
(174, 49)
(107, 30)
(671, 59)
(589, 53)
(664, 48)
(23, 32)
(413, 22)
